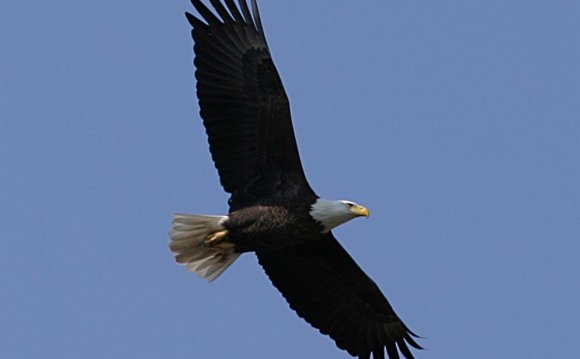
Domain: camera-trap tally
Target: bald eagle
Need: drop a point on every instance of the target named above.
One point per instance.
(273, 210)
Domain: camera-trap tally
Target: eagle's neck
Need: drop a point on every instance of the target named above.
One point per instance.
(329, 213)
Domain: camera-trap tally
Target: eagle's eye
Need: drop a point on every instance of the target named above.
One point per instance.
(349, 205)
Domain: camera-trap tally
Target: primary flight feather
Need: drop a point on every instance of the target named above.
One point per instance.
(273, 210)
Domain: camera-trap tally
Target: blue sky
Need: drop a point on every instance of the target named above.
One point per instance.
(456, 122)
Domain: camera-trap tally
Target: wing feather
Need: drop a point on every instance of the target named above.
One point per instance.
(246, 11)
(221, 10)
(257, 18)
(234, 11)
(244, 107)
(205, 13)
(326, 287)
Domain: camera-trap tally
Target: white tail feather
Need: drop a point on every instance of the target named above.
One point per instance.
(188, 233)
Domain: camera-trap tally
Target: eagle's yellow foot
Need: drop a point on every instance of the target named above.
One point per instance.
(215, 238)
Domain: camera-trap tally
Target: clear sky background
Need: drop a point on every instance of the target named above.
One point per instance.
(456, 122)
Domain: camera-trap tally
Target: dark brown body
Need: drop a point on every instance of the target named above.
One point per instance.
(271, 227)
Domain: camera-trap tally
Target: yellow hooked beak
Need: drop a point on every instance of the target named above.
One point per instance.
(360, 211)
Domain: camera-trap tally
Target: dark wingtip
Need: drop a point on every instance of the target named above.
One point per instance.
(190, 18)
(415, 335)
(412, 341)
(221, 10)
(205, 12)
(257, 19)
(194, 21)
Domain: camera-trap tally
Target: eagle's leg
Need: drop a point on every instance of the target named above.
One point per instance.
(216, 240)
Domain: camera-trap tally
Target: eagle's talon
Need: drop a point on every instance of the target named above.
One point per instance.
(215, 238)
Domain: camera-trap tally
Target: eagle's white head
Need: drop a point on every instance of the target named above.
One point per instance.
(334, 213)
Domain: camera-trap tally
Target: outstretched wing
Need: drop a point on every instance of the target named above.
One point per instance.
(243, 105)
(326, 287)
